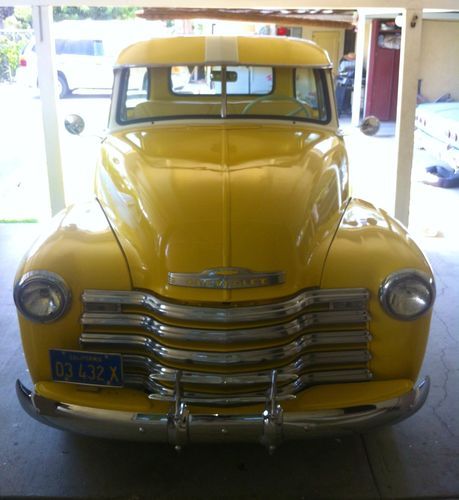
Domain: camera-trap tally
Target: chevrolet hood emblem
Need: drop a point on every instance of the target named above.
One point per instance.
(227, 278)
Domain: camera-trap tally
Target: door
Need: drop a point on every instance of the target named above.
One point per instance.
(330, 41)
(383, 69)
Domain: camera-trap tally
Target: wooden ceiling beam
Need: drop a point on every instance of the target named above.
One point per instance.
(341, 20)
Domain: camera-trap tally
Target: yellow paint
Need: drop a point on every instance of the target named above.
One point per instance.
(186, 199)
(374, 245)
(263, 51)
(331, 42)
(264, 195)
(80, 247)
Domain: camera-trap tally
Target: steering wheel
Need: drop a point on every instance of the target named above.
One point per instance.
(301, 106)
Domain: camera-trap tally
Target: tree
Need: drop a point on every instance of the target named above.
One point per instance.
(98, 13)
(4, 13)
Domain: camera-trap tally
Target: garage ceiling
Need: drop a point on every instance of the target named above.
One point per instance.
(317, 17)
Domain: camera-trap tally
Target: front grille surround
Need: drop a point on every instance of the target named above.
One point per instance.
(225, 355)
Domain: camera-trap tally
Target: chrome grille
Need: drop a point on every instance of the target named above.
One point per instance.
(316, 337)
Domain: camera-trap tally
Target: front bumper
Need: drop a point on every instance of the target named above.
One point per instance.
(181, 427)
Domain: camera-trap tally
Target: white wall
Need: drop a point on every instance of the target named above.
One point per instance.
(440, 59)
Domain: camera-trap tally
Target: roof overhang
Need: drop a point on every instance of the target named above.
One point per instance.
(299, 17)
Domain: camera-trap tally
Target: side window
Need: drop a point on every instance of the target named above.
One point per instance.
(306, 86)
(75, 47)
(137, 85)
(309, 88)
(98, 48)
(59, 46)
(84, 48)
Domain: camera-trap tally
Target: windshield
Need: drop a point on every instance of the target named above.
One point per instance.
(174, 92)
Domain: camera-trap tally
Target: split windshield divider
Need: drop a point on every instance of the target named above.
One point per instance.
(224, 105)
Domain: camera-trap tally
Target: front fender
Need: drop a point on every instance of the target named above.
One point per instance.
(370, 245)
(80, 246)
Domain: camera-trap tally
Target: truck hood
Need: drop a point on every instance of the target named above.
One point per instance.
(188, 199)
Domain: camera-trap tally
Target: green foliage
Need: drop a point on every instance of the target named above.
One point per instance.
(18, 221)
(11, 45)
(23, 16)
(96, 13)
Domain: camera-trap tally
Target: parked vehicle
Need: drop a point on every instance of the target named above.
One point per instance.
(437, 132)
(85, 54)
(81, 64)
(223, 285)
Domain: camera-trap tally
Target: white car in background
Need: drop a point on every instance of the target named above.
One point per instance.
(85, 53)
(81, 64)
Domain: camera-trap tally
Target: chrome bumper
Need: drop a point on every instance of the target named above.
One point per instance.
(181, 427)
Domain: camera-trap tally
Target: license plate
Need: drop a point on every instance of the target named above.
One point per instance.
(89, 368)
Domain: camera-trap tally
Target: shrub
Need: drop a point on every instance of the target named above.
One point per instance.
(11, 45)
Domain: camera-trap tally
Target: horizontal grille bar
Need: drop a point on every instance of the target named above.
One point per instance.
(290, 372)
(160, 330)
(284, 392)
(228, 358)
(334, 299)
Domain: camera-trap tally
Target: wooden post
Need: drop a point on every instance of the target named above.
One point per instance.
(358, 78)
(47, 77)
(406, 108)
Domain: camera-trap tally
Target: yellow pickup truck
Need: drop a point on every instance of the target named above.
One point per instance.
(223, 285)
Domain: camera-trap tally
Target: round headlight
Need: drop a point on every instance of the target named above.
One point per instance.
(407, 294)
(42, 296)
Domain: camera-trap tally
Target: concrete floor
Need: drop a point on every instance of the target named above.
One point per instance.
(418, 458)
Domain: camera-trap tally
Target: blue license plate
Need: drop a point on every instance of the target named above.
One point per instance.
(89, 368)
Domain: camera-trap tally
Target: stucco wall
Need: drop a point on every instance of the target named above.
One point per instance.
(440, 61)
(308, 32)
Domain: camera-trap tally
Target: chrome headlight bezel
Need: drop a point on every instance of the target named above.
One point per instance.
(49, 280)
(398, 278)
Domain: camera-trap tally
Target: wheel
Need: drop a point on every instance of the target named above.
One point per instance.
(301, 106)
(62, 86)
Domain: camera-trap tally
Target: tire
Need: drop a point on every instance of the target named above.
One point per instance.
(62, 86)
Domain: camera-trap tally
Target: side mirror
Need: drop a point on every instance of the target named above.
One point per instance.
(74, 124)
(370, 125)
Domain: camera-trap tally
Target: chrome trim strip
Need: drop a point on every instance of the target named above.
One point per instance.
(286, 330)
(247, 427)
(227, 278)
(159, 392)
(337, 300)
(160, 373)
(228, 358)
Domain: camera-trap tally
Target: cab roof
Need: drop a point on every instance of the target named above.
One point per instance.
(228, 50)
